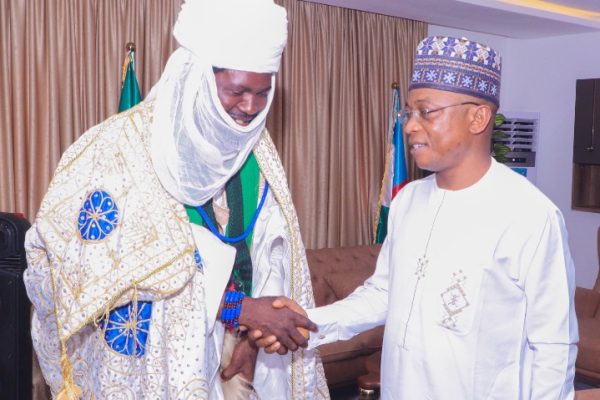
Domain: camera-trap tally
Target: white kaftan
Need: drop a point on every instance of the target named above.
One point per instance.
(489, 316)
(108, 235)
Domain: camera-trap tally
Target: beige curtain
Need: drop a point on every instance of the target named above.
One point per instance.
(60, 72)
(330, 119)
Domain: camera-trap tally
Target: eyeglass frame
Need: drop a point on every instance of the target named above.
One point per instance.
(423, 114)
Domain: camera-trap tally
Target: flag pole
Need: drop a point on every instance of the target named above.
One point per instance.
(130, 47)
(130, 91)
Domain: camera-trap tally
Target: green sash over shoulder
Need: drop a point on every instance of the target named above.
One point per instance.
(242, 199)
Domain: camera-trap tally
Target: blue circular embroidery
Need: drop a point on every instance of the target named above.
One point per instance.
(98, 216)
(126, 329)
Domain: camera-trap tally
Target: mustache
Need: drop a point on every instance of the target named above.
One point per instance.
(243, 116)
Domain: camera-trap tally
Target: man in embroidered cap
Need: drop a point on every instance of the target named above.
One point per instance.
(164, 226)
(474, 281)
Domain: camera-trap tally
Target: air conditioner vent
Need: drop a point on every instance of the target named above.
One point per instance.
(522, 132)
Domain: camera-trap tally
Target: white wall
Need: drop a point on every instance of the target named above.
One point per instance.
(539, 75)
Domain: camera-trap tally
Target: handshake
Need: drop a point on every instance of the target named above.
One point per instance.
(277, 324)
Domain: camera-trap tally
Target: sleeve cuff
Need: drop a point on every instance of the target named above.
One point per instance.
(327, 324)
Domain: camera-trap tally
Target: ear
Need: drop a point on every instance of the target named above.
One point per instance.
(481, 117)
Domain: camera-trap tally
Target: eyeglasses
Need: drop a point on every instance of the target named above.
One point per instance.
(424, 114)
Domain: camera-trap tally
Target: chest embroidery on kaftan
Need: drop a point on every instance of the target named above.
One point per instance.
(454, 300)
(421, 270)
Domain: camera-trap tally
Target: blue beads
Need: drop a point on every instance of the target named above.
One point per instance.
(232, 308)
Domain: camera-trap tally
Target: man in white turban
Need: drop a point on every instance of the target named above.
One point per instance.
(170, 226)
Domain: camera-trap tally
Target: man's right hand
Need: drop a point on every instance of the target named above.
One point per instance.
(279, 323)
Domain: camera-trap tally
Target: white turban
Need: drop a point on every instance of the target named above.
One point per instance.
(196, 146)
(247, 35)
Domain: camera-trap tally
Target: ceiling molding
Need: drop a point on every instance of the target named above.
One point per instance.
(498, 17)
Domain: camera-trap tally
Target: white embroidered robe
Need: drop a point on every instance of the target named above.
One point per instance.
(107, 233)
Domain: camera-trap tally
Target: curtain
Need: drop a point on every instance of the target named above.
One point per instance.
(60, 73)
(331, 115)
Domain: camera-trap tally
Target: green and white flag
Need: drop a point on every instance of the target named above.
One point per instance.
(130, 91)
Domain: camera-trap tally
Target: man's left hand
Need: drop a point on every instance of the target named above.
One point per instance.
(243, 361)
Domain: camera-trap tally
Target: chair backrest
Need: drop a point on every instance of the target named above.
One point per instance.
(15, 339)
(336, 272)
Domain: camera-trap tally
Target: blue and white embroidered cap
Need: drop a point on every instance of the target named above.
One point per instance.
(457, 65)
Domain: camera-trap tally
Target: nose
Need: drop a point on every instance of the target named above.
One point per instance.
(411, 125)
(250, 104)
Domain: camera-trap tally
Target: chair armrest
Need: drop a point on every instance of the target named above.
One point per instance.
(586, 302)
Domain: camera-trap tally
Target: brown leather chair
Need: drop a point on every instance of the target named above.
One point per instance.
(587, 306)
(369, 383)
(588, 394)
(335, 273)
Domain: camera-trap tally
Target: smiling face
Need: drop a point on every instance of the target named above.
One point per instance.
(453, 141)
(243, 94)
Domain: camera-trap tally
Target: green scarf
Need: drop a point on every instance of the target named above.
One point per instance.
(242, 199)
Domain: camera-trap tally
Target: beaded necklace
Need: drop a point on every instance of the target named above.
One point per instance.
(246, 232)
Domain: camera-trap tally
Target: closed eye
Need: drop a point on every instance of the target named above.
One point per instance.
(264, 93)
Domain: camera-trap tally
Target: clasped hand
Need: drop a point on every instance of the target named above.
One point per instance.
(276, 323)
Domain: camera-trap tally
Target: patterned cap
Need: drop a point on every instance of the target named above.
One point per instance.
(457, 65)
